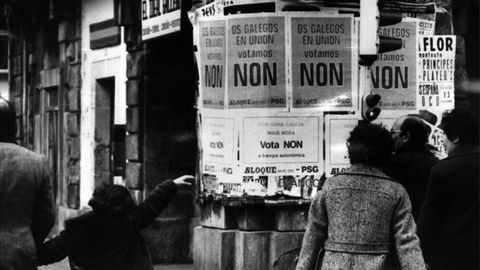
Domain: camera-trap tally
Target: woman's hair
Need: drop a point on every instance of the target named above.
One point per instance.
(111, 198)
(369, 144)
(461, 123)
(7, 121)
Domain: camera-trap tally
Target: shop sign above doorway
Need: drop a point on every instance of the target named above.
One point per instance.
(160, 17)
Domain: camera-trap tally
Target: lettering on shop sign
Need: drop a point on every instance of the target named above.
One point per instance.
(153, 10)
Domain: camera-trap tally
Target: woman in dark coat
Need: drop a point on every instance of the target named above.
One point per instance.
(361, 219)
(109, 236)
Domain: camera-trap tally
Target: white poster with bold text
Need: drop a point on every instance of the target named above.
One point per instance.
(256, 62)
(394, 74)
(322, 60)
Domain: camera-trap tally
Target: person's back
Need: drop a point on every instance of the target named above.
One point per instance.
(412, 161)
(362, 200)
(411, 168)
(98, 241)
(26, 197)
(109, 236)
(361, 218)
(449, 221)
(368, 215)
(450, 230)
(26, 208)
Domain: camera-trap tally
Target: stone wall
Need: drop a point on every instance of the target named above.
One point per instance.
(161, 140)
(46, 54)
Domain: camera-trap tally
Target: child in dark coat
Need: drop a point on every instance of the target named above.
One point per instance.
(109, 236)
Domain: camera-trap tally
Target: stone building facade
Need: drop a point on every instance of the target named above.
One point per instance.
(105, 107)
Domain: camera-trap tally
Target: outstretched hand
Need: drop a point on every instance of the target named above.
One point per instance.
(184, 180)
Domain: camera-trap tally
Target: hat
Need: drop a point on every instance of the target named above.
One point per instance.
(111, 198)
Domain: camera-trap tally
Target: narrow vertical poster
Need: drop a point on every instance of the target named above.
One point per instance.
(218, 153)
(337, 131)
(436, 62)
(212, 63)
(394, 73)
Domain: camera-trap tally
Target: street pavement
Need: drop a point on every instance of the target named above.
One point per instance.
(63, 265)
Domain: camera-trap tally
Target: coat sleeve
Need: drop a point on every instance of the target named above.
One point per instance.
(53, 250)
(316, 233)
(43, 216)
(152, 206)
(430, 220)
(406, 241)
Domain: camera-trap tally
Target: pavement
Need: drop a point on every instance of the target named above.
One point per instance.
(63, 265)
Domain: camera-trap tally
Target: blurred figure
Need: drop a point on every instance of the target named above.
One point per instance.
(27, 206)
(449, 219)
(361, 218)
(412, 161)
(109, 236)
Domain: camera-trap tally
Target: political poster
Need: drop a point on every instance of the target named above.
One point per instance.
(212, 54)
(281, 139)
(218, 140)
(218, 152)
(321, 55)
(394, 74)
(256, 62)
(436, 64)
(281, 154)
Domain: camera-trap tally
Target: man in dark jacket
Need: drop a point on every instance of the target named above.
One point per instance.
(412, 161)
(109, 236)
(26, 198)
(448, 226)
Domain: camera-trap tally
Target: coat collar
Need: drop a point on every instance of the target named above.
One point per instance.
(464, 150)
(365, 170)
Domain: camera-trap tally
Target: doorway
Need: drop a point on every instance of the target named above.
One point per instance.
(109, 138)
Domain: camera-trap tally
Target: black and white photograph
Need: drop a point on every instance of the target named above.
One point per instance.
(239, 134)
